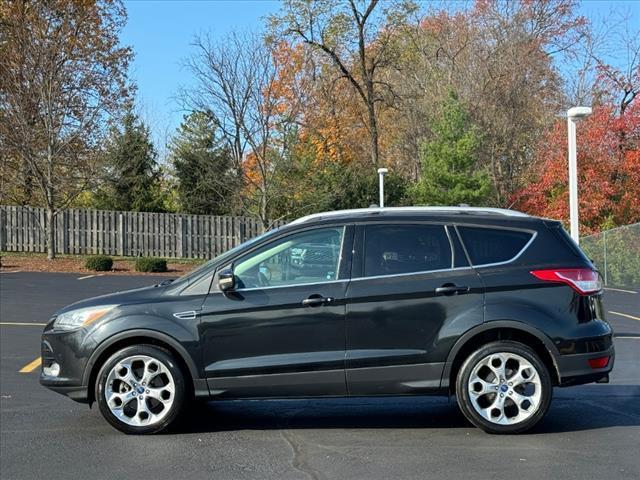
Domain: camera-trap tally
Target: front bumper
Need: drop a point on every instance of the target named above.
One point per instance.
(74, 392)
(64, 348)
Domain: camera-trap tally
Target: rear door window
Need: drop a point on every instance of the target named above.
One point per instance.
(396, 249)
(493, 245)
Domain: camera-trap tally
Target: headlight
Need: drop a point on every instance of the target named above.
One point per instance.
(81, 317)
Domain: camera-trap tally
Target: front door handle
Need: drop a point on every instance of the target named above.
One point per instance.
(316, 300)
(451, 289)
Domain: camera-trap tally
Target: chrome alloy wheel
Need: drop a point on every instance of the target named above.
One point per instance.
(505, 388)
(139, 390)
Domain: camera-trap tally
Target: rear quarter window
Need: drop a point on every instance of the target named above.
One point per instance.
(493, 245)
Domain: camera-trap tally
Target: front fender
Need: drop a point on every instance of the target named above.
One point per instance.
(183, 338)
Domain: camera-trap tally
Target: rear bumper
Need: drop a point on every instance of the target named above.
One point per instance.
(575, 369)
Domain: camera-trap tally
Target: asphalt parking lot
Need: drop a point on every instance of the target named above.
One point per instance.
(591, 431)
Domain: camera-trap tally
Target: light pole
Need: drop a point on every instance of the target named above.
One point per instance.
(381, 173)
(573, 116)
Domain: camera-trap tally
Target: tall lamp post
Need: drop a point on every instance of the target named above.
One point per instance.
(381, 173)
(573, 116)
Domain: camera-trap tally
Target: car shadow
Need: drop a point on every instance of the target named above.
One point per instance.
(577, 409)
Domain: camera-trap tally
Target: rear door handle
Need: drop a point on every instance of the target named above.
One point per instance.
(317, 300)
(451, 289)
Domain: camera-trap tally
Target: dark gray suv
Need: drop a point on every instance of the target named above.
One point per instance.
(492, 306)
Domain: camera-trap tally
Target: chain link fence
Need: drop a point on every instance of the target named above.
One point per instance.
(616, 253)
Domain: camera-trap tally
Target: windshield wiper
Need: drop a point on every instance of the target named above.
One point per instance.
(166, 282)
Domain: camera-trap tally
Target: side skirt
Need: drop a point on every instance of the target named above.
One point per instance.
(274, 385)
(417, 379)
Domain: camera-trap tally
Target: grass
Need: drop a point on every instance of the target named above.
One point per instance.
(37, 262)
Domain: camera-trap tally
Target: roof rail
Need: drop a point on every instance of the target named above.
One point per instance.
(495, 211)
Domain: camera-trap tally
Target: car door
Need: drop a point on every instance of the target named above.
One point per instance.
(413, 296)
(280, 332)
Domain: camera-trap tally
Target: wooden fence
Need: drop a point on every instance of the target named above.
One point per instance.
(91, 232)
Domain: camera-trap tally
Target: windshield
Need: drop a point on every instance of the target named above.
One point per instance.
(228, 254)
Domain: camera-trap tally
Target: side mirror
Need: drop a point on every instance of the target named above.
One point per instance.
(226, 279)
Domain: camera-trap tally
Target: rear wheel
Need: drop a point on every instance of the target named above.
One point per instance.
(140, 389)
(504, 387)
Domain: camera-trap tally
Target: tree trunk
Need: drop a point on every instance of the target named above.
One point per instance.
(51, 237)
(373, 129)
(263, 209)
(373, 125)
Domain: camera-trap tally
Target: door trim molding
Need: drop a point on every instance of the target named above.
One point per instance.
(395, 379)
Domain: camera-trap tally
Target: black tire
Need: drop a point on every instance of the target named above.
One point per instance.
(464, 395)
(178, 396)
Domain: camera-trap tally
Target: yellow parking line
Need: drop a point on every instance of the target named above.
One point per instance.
(30, 367)
(90, 276)
(625, 315)
(22, 324)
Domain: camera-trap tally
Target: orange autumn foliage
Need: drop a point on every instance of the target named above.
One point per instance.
(608, 171)
(329, 114)
(252, 171)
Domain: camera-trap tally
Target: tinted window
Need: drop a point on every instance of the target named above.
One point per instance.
(459, 257)
(396, 249)
(492, 245)
(306, 257)
(194, 274)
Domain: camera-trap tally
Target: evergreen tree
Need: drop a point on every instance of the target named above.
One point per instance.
(450, 171)
(306, 188)
(207, 182)
(132, 173)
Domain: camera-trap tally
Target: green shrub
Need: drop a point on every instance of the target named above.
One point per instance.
(99, 263)
(150, 264)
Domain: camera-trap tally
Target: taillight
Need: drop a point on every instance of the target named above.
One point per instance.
(582, 280)
(600, 362)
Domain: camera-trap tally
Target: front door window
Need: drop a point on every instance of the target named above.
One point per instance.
(307, 257)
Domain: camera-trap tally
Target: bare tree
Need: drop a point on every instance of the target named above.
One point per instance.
(608, 54)
(357, 37)
(622, 71)
(62, 74)
(498, 57)
(235, 86)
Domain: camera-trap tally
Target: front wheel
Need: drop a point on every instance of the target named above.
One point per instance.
(140, 389)
(503, 387)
